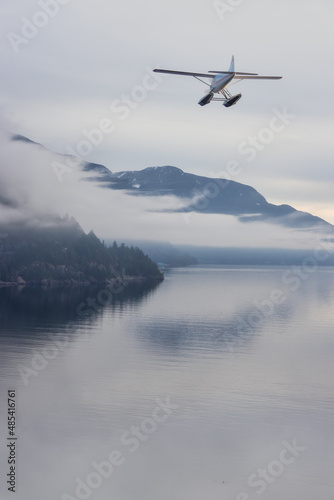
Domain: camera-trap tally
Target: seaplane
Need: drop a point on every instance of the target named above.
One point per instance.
(219, 82)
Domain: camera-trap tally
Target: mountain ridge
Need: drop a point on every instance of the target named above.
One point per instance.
(200, 194)
(207, 195)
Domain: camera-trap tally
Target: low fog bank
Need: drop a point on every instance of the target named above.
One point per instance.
(36, 184)
(187, 255)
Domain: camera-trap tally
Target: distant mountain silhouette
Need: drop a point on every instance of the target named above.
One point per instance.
(201, 194)
(205, 195)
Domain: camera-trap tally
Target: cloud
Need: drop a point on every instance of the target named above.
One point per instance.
(67, 76)
(30, 190)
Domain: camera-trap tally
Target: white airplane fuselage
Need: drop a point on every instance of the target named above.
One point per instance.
(220, 81)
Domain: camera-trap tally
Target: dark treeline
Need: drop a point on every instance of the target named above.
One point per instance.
(65, 252)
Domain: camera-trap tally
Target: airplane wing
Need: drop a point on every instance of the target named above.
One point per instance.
(238, 75)
(186, 73)
(257, 77)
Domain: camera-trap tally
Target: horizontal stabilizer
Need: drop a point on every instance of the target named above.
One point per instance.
(257, 77)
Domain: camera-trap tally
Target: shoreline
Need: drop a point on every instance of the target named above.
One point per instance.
(71, 283)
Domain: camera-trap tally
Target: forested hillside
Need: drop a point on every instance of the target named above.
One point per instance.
(63, 252)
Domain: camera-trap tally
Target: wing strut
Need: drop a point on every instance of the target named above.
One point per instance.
(206, 83)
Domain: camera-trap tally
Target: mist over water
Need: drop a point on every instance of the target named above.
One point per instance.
(242, 387)
(32, 193)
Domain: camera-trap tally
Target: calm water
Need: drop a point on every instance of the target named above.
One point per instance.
(243, 358)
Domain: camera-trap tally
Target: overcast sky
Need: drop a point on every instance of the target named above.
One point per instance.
(69, 74)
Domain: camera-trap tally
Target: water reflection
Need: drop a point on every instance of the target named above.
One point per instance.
(224, 308)
(241, 391)
(25, 309)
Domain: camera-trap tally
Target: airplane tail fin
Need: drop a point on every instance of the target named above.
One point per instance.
(231, 68)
